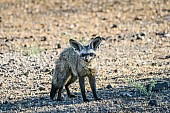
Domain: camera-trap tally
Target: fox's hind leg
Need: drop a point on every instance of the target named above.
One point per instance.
(59, 98)
(61, 83)
(53, 91)
(73, 79)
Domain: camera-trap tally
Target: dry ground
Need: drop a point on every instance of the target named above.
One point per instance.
(136, 47)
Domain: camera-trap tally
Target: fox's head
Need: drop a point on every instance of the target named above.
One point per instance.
(88, 52)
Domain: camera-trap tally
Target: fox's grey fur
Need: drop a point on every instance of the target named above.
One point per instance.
(78, 61)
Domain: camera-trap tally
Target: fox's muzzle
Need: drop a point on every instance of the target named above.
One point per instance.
(87, 59)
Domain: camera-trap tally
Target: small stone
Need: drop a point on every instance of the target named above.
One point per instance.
(126, 94)
(132, 40)
(114, 40)
(1, 84)
(58, 46)
(11, 97)
(37, 67)
(41, 87)
(166, 35)
(163, 34)
(153, 64)
(133, 35)
(25, 46)
(138, 18)
(115, 71)
(167, 57)
(159, 33)
(138, 37)
(109, 86)
(25, 53)
(150, 73)
(115, 102)
(142, 34)
(23, 79)
(153, 102)
(119, 36)
(104, 18)
(167, 18)
(43, 38)
(11, 70)
(45, 70)
(72, 26)
(114, 26)
(6, 40)
(93, 35)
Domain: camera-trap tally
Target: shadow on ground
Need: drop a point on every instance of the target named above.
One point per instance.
(36, 102)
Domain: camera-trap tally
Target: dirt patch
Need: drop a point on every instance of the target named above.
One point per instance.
(136, 47)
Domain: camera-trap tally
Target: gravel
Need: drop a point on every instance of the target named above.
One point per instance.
(135, 49)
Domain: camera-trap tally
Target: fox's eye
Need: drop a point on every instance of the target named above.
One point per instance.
(82, 55)
(91, 54)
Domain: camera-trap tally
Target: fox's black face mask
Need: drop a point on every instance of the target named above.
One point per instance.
(86, 53)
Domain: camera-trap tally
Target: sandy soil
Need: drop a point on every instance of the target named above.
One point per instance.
(135, 47)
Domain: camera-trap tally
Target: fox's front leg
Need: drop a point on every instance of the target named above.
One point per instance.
(92, 82)
(82, 87)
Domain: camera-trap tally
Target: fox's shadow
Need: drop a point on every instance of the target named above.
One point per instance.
(36, 102)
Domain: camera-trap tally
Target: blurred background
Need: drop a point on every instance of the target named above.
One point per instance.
(48, 22)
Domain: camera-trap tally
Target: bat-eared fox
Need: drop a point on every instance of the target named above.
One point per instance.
(78, 61)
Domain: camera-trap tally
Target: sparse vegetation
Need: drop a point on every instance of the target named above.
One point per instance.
(35, 50)
(142, 86)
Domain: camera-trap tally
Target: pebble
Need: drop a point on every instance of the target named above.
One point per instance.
(1, 84)
(115, 70)
(114, 26)
(41, 87)
(109, 86)
(45, 70)
(153, 102)
(72, 26)
(167, 17)
(163, 34)
(142, 34)
(126, 94)
(43, 38)
(166, 35)
(58, 46)
(23, 79)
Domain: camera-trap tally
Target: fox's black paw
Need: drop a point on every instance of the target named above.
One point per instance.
(86, 100)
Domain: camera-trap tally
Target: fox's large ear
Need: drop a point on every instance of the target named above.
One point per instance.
(76, 45)
(94, 44)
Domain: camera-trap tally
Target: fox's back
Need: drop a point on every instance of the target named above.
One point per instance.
(69, 56)
(73, 61)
